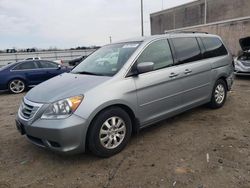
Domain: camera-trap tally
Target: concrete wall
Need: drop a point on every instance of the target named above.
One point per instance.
(193, 14)
(219, 10)
(188, 16)
(230, 32)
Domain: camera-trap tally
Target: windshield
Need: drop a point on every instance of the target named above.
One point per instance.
(108, 60)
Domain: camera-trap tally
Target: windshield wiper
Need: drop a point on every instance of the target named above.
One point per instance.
(88, 73)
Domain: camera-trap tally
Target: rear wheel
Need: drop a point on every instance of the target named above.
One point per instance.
(17, 86)
(219, 94)
(110, 132)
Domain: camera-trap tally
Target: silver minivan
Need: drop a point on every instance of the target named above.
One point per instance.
(124, 87)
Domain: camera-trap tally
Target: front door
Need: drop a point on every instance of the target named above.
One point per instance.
(158, 91)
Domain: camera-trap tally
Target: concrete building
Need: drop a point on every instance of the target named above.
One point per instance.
(228, 18)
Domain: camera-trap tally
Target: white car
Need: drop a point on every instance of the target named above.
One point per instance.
(33, 58)
(242, 62)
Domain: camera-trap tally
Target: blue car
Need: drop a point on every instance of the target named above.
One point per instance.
(17, 77)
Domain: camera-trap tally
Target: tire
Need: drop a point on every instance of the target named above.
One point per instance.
(98, 131)
(16, 86)
(219, 94)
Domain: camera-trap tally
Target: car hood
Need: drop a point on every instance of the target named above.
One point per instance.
(63, 86)
(245, 43)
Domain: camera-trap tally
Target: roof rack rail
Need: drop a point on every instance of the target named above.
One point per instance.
(186, 32)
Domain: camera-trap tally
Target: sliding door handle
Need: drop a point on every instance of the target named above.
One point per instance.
(173, 75)
(187, 71)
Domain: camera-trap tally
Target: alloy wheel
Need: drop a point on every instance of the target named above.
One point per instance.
(112, 132)
(17, 86)
(219, 93)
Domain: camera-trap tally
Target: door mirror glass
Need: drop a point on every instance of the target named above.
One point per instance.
(145, 67)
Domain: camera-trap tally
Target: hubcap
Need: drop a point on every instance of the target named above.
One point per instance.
(112, 132)
(219, 94)
(17, 86)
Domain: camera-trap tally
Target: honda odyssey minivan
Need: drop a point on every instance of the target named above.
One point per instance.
(102, 101)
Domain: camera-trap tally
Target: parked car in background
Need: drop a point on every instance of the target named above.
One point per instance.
(11, 50)
(76, 61)
(31, 50)
(242, 62)
(33, 58)
(17, 77)
(142, 81)
(58, 61)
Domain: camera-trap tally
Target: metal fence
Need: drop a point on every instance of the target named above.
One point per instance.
(64, 55)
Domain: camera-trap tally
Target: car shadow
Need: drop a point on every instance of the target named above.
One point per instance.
(136, 137)
(241, 77)
(4, 92)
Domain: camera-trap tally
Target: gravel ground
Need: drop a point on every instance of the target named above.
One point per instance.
(201, 148)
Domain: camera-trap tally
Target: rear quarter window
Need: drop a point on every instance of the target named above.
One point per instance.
(213, 47)
(48, 64)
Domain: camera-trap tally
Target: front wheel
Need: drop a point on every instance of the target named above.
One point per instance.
(109, 132)
(17, 86)
(219, 94)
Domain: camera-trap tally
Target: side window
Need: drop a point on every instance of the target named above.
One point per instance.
(159, 53)
(186, 49)
(26, 65)
(213, 47)
(48, 64)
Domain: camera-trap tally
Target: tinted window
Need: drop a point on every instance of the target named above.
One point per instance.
(26, 65)
(213, 47)
(186, 49)
(159, 53)
(48, 64)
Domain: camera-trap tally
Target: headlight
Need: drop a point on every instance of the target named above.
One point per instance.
(63, 108)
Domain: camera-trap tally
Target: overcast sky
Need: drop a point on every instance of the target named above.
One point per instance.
(70, 23)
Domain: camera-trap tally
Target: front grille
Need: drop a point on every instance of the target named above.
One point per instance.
(245, 63)
(28, 109)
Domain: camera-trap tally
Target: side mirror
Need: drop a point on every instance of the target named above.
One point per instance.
(59, 67)
(145, 67)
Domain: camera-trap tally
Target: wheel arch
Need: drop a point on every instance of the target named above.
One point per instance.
(224, 78)
(17, 77)
(126, 108)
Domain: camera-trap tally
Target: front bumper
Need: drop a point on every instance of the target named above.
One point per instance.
(240, 73)
(63, 135)
(240, 69)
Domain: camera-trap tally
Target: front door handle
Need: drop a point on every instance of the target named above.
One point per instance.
(187, 71)
(173, 75)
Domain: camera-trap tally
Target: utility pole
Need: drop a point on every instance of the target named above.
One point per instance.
(162, 5)
(142, 28)
(205, 12)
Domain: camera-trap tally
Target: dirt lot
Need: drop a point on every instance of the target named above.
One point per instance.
(201, 148)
